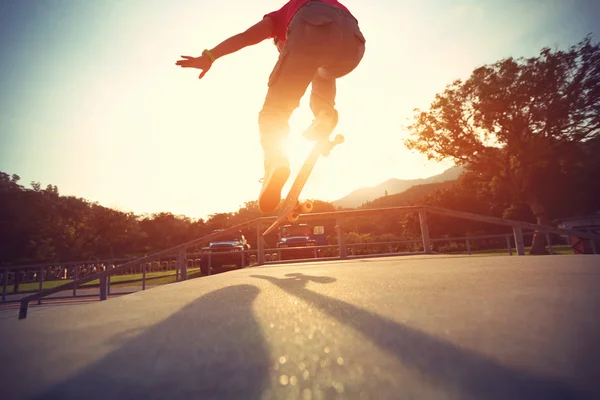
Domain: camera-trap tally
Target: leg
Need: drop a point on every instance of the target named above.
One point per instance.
(322, 96)
(287, 84)
(322, 101)
(322, 104)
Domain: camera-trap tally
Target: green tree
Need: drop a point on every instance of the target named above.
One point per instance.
(164, 230)
(519, 119)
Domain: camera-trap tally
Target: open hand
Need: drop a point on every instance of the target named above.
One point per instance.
(203, 62)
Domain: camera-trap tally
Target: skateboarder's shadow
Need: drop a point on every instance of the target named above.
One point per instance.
(204, 348)
(296, 280)
(473, 374)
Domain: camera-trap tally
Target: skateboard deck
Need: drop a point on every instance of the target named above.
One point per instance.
(291, 209)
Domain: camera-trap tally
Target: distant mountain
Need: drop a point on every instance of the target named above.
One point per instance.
(393, 186)
(410, 196)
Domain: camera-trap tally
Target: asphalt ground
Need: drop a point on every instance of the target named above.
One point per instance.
(419, 327)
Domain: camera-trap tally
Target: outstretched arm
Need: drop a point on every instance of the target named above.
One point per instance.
(251, 36)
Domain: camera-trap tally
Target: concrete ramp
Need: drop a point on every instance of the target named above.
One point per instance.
(425, 327)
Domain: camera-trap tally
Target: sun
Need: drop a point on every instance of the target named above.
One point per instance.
(297, 149)
(324, 180)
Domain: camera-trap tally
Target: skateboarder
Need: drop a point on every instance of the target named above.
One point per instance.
(318, 42)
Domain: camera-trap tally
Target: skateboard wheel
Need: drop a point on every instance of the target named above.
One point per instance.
(306, 207)
(293, 217)
(339, 139)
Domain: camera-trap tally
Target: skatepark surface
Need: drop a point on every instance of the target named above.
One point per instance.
(414, 327)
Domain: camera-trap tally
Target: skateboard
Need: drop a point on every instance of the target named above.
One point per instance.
(291, 208)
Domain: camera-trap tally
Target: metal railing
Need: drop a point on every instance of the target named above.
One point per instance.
(203, 262)
(22, 277)
(260, 223)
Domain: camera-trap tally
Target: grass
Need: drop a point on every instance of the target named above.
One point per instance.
(159, 279)
(557, 250)
(156, 278)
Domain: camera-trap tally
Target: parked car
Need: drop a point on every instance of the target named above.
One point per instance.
(302, 237)
(225, 254)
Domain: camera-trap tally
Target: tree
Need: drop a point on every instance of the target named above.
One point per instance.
(164, 230)
(519, 118)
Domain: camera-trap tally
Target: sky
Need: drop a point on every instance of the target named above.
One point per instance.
(91, 99)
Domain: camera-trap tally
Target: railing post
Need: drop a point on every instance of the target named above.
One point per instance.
(519, 243)
(594, 246)
(23, 309)
(144, 276)
(4, 283)
(425, 231)
(549, 241)
(182, 265)
(103, 286)
(110, 266)
(341, 239)
(469, 246)
(75, 280)
(41, 284)
(509, 245)
(185, 265)
(17, 281)
(260, 245)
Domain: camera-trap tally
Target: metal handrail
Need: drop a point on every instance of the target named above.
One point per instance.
(517, 226)
(498, 236)
(102, 275)
(279, 251)
(510, 222)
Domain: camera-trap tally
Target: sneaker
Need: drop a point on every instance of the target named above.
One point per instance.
(321, 127)
(275, 178)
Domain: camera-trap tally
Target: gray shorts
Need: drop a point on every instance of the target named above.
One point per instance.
(323, 36)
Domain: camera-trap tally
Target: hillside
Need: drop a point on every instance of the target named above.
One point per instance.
(410, 196)
(393, 186)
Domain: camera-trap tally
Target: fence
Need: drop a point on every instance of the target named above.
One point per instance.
(26, 275)
(178, 253)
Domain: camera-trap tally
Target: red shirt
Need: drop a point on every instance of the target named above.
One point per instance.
(282, 17)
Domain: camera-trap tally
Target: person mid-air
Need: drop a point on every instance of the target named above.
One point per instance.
(319, 41)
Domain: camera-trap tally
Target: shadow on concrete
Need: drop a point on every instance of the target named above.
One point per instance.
(446, 365)
(212, 348)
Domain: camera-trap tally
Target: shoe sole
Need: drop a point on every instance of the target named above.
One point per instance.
(272, 195)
